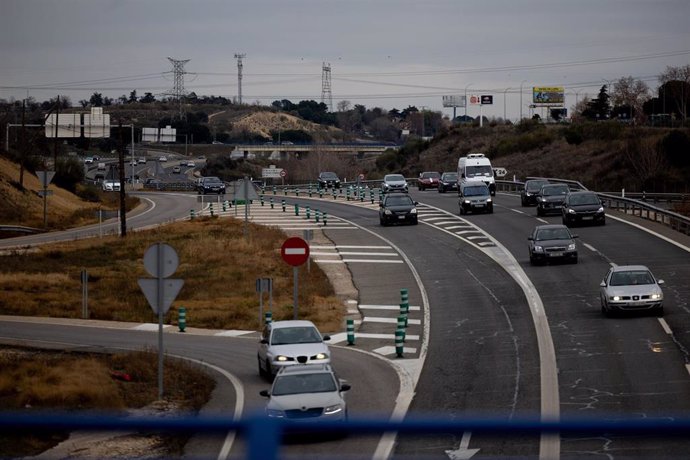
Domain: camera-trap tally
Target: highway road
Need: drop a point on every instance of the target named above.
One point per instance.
(487, 322)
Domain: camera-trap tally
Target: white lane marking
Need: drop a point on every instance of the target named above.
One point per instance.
(376, 319)
(467, 231)
(517, 211)
(342, 336)
(687, 367)
(445, 222)
(456, 226)
(543, 220)
(385, 254)
(651, 232)
(590, 247)
(431, 219)
(374, 261)
(391, 350)
(339, 246)
(387, 307)
(665, 326)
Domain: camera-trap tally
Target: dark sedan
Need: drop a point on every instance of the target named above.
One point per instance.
(528, 194)
(397, 208)
(581, 207)
(449, 181)
(551, 198)
(328, 180)
(552, 242)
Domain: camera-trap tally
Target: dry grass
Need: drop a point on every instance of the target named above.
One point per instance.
(40, 379)
(217, 263)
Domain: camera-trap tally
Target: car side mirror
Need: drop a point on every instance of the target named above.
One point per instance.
(602, 284)
(326, 337)
(660, 282)
(416, 203)
(265, 393)
(264, 341)
(574, 236)
(345, 387)
(530, 238)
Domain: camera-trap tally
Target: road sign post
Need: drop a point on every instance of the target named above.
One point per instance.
(295, 251)
(161, 261)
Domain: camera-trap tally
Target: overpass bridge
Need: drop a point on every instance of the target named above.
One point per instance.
(285, 149)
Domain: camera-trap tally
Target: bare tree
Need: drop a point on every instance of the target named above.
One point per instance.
(343, 106)
(681, 92)
(645, 159)
(630, 92)
(577, 109)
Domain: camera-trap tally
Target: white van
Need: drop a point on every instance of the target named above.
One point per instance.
(476, 167)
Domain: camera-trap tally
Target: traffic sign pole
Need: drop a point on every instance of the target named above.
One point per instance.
(295, 251)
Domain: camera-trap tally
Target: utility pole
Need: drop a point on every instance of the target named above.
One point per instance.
(121, 178)
(178, 78)
(326, 95)
(239, 57)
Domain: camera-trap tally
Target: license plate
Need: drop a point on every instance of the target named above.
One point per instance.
(587, 217)
(555, 254)
(479, 205)
(401, 217)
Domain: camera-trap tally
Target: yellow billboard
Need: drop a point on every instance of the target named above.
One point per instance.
(548, 95)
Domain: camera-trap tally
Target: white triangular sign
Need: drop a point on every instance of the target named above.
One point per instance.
(171, 287)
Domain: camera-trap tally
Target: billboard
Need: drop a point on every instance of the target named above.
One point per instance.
(68, 125)
(548, 95)
(97, 123)
(149, 135)
(454, 101)
(487, 99)
(168, 134)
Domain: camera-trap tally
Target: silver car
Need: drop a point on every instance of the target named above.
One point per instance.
(631, 288)
(310, 392)
(394, 183)
(286, 343)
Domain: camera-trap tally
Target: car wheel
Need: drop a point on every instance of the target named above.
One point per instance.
(604, 311)
(532, 260)
(269, 372)
(659, 311)
(415, 222)
(573, 260)
(539, 212)
(462, 210)
(262, 372)
(523, 203)
(603, 222)
(382, 222)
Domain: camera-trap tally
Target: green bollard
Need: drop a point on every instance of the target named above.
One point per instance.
(308, 212)
(225, 206)
(285, 190)
(320, 193)
(283, 203)
(335, 194)
(182, 318)
(399, 342)
(296, 209)
(317, 214)
(268, 317)
(210, 207)
(271, 201)
(274, 189)
(371, 195)
(350, 331)
(309, 190)
(262, 200)
(402, 324)
(325, 219)
(191, 214)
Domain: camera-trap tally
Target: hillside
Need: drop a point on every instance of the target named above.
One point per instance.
(264, 124)
(25, 207)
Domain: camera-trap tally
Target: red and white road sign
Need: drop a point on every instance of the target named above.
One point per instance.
(283, 173)
(295, 251)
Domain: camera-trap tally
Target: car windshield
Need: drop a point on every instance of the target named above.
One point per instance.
(534, 186)
(482, 170)
(429, 175)
(328, 175)
(303, 383)
(450, 177)
(479, 190)
(551, 191)
(394, 178)
(398, 201)
(552, 234)
(211, 179)
(631, 278)
(587, 198)
(289, 335)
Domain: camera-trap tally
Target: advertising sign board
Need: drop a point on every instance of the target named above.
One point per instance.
(487, 99)
(548, 95)
(454, 101)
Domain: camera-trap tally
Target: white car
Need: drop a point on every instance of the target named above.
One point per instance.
(162, 159)
(110, 185)
(311, 392)
(631, 288)
(191, 164)
(142, 160)
(286, 343)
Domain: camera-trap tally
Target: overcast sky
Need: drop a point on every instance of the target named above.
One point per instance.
(385, 53)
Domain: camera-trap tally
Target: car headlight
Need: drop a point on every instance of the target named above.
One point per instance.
(657, 296)
(320, 356)
(275, 413)
(616, 298)
(467, 201)
(281, 358)
(571, 247)
(538, 249)
(571, 211)
(600, 210)
(488, 200)
(413, 211)
(387, 212)
(334, 409)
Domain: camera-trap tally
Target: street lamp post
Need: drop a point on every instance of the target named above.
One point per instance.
(521, 83)
(466, 86)
(504, 104)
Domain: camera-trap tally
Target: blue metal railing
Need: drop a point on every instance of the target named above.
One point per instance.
(263, 435)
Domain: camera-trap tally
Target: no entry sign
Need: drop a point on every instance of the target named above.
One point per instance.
(295, 251)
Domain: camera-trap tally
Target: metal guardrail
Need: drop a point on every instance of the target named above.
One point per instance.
(630, 206)
(19, 229)
(263, 435)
